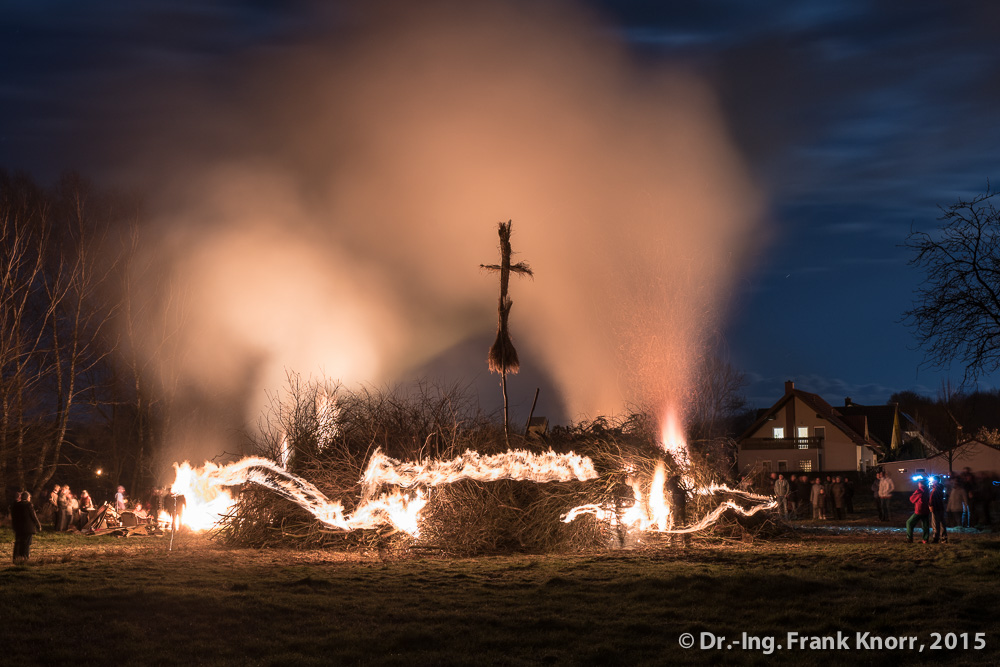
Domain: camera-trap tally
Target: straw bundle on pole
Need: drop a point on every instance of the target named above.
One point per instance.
(503, 357)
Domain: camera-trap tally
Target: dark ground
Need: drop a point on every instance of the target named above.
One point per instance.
(103, 600)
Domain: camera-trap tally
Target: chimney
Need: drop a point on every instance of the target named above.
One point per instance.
(789, 386)
(847, 402)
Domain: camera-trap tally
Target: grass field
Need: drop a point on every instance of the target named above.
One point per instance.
(103, 600)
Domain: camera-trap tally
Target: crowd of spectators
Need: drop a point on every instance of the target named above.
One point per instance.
(940, 502)
(799, 497)
(66, 511)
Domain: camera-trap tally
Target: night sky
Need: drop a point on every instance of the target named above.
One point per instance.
(857, 121)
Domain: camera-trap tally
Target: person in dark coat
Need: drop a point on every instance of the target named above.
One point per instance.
(937, 503)
(25, 523)
(802, 490)
(839, 492)
(678, 506)
(921, 512)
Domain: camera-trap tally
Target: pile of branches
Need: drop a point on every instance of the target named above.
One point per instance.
(407, 424)
(332, 449)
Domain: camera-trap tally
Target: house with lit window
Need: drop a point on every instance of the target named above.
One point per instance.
(801, 432)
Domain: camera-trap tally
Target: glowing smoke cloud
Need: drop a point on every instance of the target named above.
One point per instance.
(328, 214)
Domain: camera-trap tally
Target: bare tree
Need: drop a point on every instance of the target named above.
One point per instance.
(956, 313)
(54, 313)
(503, 357)
(719, 400)
(21, 266)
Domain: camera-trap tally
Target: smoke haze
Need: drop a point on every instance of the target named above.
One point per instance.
(328, 210)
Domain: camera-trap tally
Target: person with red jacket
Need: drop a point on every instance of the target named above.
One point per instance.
(921, 512)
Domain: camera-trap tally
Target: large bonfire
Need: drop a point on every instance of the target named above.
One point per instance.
(619, 482)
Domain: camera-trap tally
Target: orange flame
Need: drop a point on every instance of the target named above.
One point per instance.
(207, 500)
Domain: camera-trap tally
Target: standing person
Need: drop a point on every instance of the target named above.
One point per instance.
(678, 507)
(885, 489)
(156, 503)
(938, 530)
(781, 489)
(793, 497)
(816, 499)
(86, 502)
(65, 509)
(802, 490)
(839, 492)
(771, 479)
(875, 485)
(25, 523)
(74, 508)
(958, 503)
(53, 506)
(120, 499)
(921, 512)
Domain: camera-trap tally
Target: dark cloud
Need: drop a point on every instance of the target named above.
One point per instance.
(858, 118)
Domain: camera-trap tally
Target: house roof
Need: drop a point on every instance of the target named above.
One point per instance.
(854, 426)
(881, 420)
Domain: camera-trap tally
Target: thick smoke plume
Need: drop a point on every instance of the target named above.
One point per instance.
(329, 207)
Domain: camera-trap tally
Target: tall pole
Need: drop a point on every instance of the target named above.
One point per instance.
(503, 356)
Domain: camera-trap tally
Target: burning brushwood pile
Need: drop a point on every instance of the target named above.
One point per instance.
(337, 472)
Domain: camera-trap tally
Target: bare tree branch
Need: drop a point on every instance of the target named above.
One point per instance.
(956, 312)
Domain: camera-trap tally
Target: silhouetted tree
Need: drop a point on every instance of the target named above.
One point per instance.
(956, 313)
(503, 357)
(718, 404)
(54, 316)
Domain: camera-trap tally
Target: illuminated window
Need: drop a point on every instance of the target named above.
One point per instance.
(779, 432)
(806, 466)
(803, 433)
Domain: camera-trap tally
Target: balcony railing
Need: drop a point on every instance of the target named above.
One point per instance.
(782, 443)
